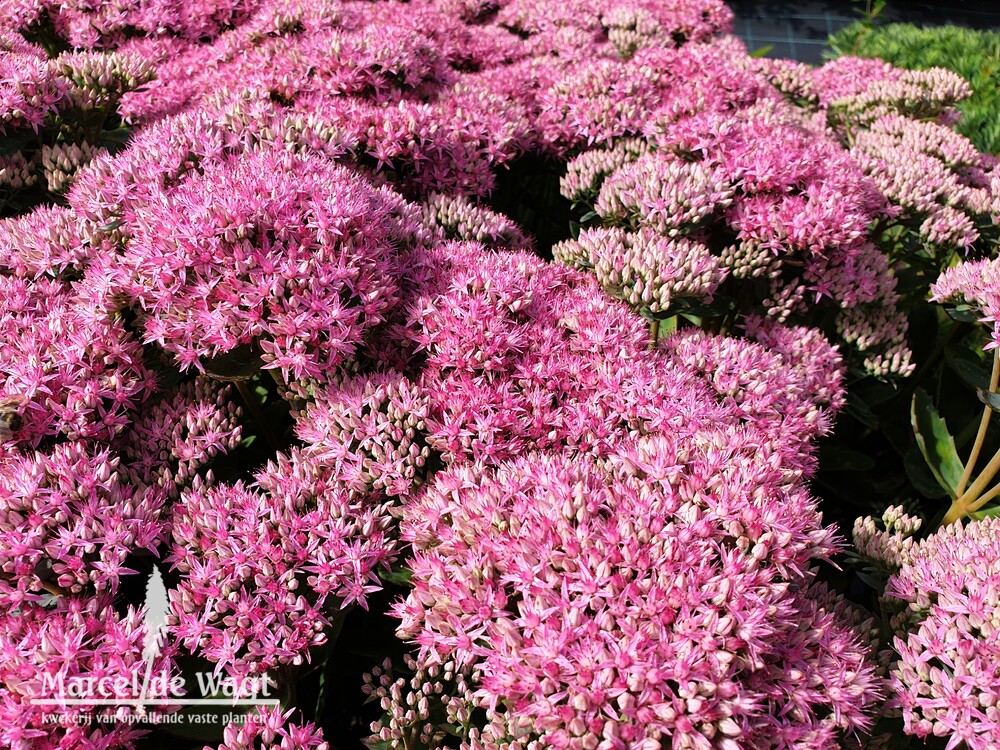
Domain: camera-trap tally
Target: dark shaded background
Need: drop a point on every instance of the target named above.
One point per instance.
(799, 29)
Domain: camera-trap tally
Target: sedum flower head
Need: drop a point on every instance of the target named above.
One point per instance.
(370, 432)
(70, 519)
(45, 242)
(29, 89)
(271, 729)
(645, 269)
(183, 430)
(976, 283)
(77, 640)
(460, 219)
(66, 369)
(662, 595)
(278, 251)
(265, 568)
(945, 676)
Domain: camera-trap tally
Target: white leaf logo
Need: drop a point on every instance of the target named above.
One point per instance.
(157, 607)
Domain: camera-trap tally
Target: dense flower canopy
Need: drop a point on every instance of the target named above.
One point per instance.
(263, 331)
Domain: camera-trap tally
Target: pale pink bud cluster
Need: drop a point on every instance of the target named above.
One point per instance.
(369, 431)
(411, 707)
(585, 173)
(184, 429)
(645, 269)
(668, 194)
(98, 80)
(16, 173)
(792, 78)
(860, 92)
(929, 172)
(886, 544)
(61, 162)
(459, 218)
(630, 28)
(879, 335)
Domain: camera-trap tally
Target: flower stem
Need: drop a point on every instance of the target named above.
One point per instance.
(962, 504)
(654, 333)
(53, 588)
(984, 424)
(983, 499)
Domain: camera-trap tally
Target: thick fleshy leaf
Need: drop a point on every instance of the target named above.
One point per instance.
(935, 442)
(962, 313)
(968, 367)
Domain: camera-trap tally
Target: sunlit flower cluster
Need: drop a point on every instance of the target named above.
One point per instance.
(976, 284)
(286, 253)
(945, 678)
(619, 603)
(266, 567)
(760, 192)
(70, 519)
(264, 326)
(79, 640)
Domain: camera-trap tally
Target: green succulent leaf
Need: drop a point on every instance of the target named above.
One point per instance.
(936, 444)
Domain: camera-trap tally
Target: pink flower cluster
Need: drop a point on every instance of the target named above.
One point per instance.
(663, 595)
(772, 203)
(945, 677)
(83, 24)
(369, 432)
(285, 252)
(270, 729)
(54, 111)
(66, 369)
(259, 563)
(78, 641)
(568, 573)
(977, 284)
(28, 91)
(70, 520)
(611, 542)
